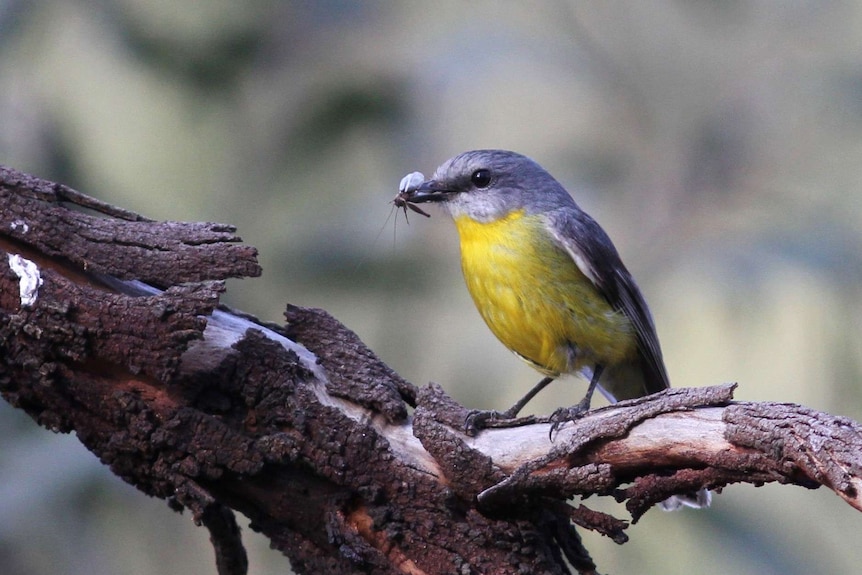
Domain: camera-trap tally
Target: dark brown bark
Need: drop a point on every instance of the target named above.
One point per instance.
(304, 430)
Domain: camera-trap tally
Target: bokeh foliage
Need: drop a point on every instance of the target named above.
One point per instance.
(719, 143)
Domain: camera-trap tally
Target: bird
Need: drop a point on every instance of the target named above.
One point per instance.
(547, 280)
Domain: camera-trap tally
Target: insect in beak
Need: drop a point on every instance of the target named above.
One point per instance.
(402, 200)
(406, 188)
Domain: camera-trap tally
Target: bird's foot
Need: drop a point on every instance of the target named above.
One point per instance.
(566, 414)
(477, 420)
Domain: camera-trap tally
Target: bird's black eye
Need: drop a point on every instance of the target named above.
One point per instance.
(481, 178)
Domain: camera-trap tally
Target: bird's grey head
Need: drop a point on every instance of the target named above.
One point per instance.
(489, 184)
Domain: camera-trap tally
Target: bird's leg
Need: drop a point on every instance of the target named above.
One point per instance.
(513, 411)
(565, 414)
(478, 420)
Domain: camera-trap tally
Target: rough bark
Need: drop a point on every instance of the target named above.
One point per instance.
(110, 326)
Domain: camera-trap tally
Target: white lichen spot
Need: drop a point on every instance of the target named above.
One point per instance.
(29, 279)
(20, 224)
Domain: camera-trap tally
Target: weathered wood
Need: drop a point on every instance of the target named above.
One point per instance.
(110, 326)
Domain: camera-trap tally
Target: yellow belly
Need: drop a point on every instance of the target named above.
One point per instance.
(535, 299)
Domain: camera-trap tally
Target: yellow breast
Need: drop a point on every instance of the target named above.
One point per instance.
(535, 299)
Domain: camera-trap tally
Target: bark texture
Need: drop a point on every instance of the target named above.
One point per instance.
(110, 325)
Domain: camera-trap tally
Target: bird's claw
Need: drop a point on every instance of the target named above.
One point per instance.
(566, 414)
(478, 419)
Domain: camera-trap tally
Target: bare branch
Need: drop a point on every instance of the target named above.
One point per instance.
(110, 326)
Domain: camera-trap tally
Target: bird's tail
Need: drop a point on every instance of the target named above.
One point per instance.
(630, 380)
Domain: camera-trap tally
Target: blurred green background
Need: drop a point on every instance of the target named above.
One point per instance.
(718, 143)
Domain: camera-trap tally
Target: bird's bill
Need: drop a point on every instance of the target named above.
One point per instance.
(428, 191)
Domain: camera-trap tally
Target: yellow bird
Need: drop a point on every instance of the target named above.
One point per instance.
(546, 279)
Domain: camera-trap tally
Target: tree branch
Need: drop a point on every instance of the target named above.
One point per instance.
(110, 326)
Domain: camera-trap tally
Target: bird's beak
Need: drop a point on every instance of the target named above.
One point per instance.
(429, 191)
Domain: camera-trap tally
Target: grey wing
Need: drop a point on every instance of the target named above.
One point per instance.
(595, 255)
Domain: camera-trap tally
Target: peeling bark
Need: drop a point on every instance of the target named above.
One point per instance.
(115, 331)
